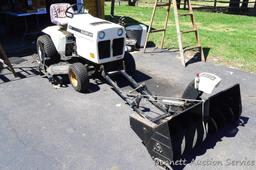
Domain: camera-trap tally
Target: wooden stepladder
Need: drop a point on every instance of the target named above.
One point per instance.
(180, 33)
(6, 60)
(159, 3)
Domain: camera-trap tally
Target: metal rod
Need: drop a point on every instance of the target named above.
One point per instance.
(120, 93)
(145, 91)
(171, 98)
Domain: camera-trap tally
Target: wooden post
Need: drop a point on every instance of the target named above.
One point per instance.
(215, 5)
(179, 36)
(95, 8)
(4, 57)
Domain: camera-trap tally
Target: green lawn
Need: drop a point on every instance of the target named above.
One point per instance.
(231, 38)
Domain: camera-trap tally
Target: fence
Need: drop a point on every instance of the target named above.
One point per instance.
(215, 4)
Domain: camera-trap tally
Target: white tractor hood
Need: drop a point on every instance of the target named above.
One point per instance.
(89, 25)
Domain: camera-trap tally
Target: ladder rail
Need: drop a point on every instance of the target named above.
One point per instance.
(178, 27)
(179, 36)
(197, 32)
(166, 23)
(150, 25)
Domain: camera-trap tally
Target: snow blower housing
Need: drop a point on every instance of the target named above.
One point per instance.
(170, 127)
(82, 46)
(168, 136)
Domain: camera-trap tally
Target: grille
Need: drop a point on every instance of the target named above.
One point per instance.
(118, 46)
(104, 49)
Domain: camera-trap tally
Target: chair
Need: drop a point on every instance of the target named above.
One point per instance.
(58, 15)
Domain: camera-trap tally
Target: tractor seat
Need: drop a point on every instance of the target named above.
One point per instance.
(57, 13)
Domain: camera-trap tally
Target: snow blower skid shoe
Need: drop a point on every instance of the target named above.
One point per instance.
(187, 123)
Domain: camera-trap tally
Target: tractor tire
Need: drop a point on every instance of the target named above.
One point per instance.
(130, 65)
(49, 51)
(190, 92)
(78, 77)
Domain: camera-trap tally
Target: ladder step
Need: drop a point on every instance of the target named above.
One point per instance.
(159, 30)
(192, 47)
(186, 14)
(159, 4)
(188, 31)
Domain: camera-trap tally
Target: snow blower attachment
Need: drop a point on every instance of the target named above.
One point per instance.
(171, 127)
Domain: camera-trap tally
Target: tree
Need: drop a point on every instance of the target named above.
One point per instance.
(244, 6)
(132, 2)
(234, 5)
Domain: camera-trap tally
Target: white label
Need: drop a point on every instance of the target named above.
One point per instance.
(207, 82)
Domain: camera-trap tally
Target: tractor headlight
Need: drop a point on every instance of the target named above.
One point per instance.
(120, 32)
(102, 34)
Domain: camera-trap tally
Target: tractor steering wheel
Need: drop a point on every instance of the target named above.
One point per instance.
(70, 10)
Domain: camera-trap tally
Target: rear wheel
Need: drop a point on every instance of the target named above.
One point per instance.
(46, 50)
(78, 77)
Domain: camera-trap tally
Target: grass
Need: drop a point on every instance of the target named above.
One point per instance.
(231, 38)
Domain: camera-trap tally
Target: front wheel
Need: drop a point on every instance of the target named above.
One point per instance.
(130, 65)
(78, 77)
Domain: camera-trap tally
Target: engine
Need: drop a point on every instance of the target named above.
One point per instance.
(97, 40)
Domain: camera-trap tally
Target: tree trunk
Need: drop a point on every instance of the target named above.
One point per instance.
(112, 11)
(244, 6)
(178, 3)
(132, 2)
(234, 5)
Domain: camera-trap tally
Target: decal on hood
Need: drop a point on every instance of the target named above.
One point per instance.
(87, 33)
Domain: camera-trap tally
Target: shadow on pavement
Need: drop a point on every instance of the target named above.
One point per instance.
(197, 57)
(138, 77)
(21, 73)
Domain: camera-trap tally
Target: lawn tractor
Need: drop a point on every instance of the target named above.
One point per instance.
(82, 46)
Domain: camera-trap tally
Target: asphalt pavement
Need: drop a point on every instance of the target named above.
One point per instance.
(47, 128)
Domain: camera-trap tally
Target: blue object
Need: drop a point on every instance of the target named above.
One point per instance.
(79, 1)
(24, 14)
(80, 4)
